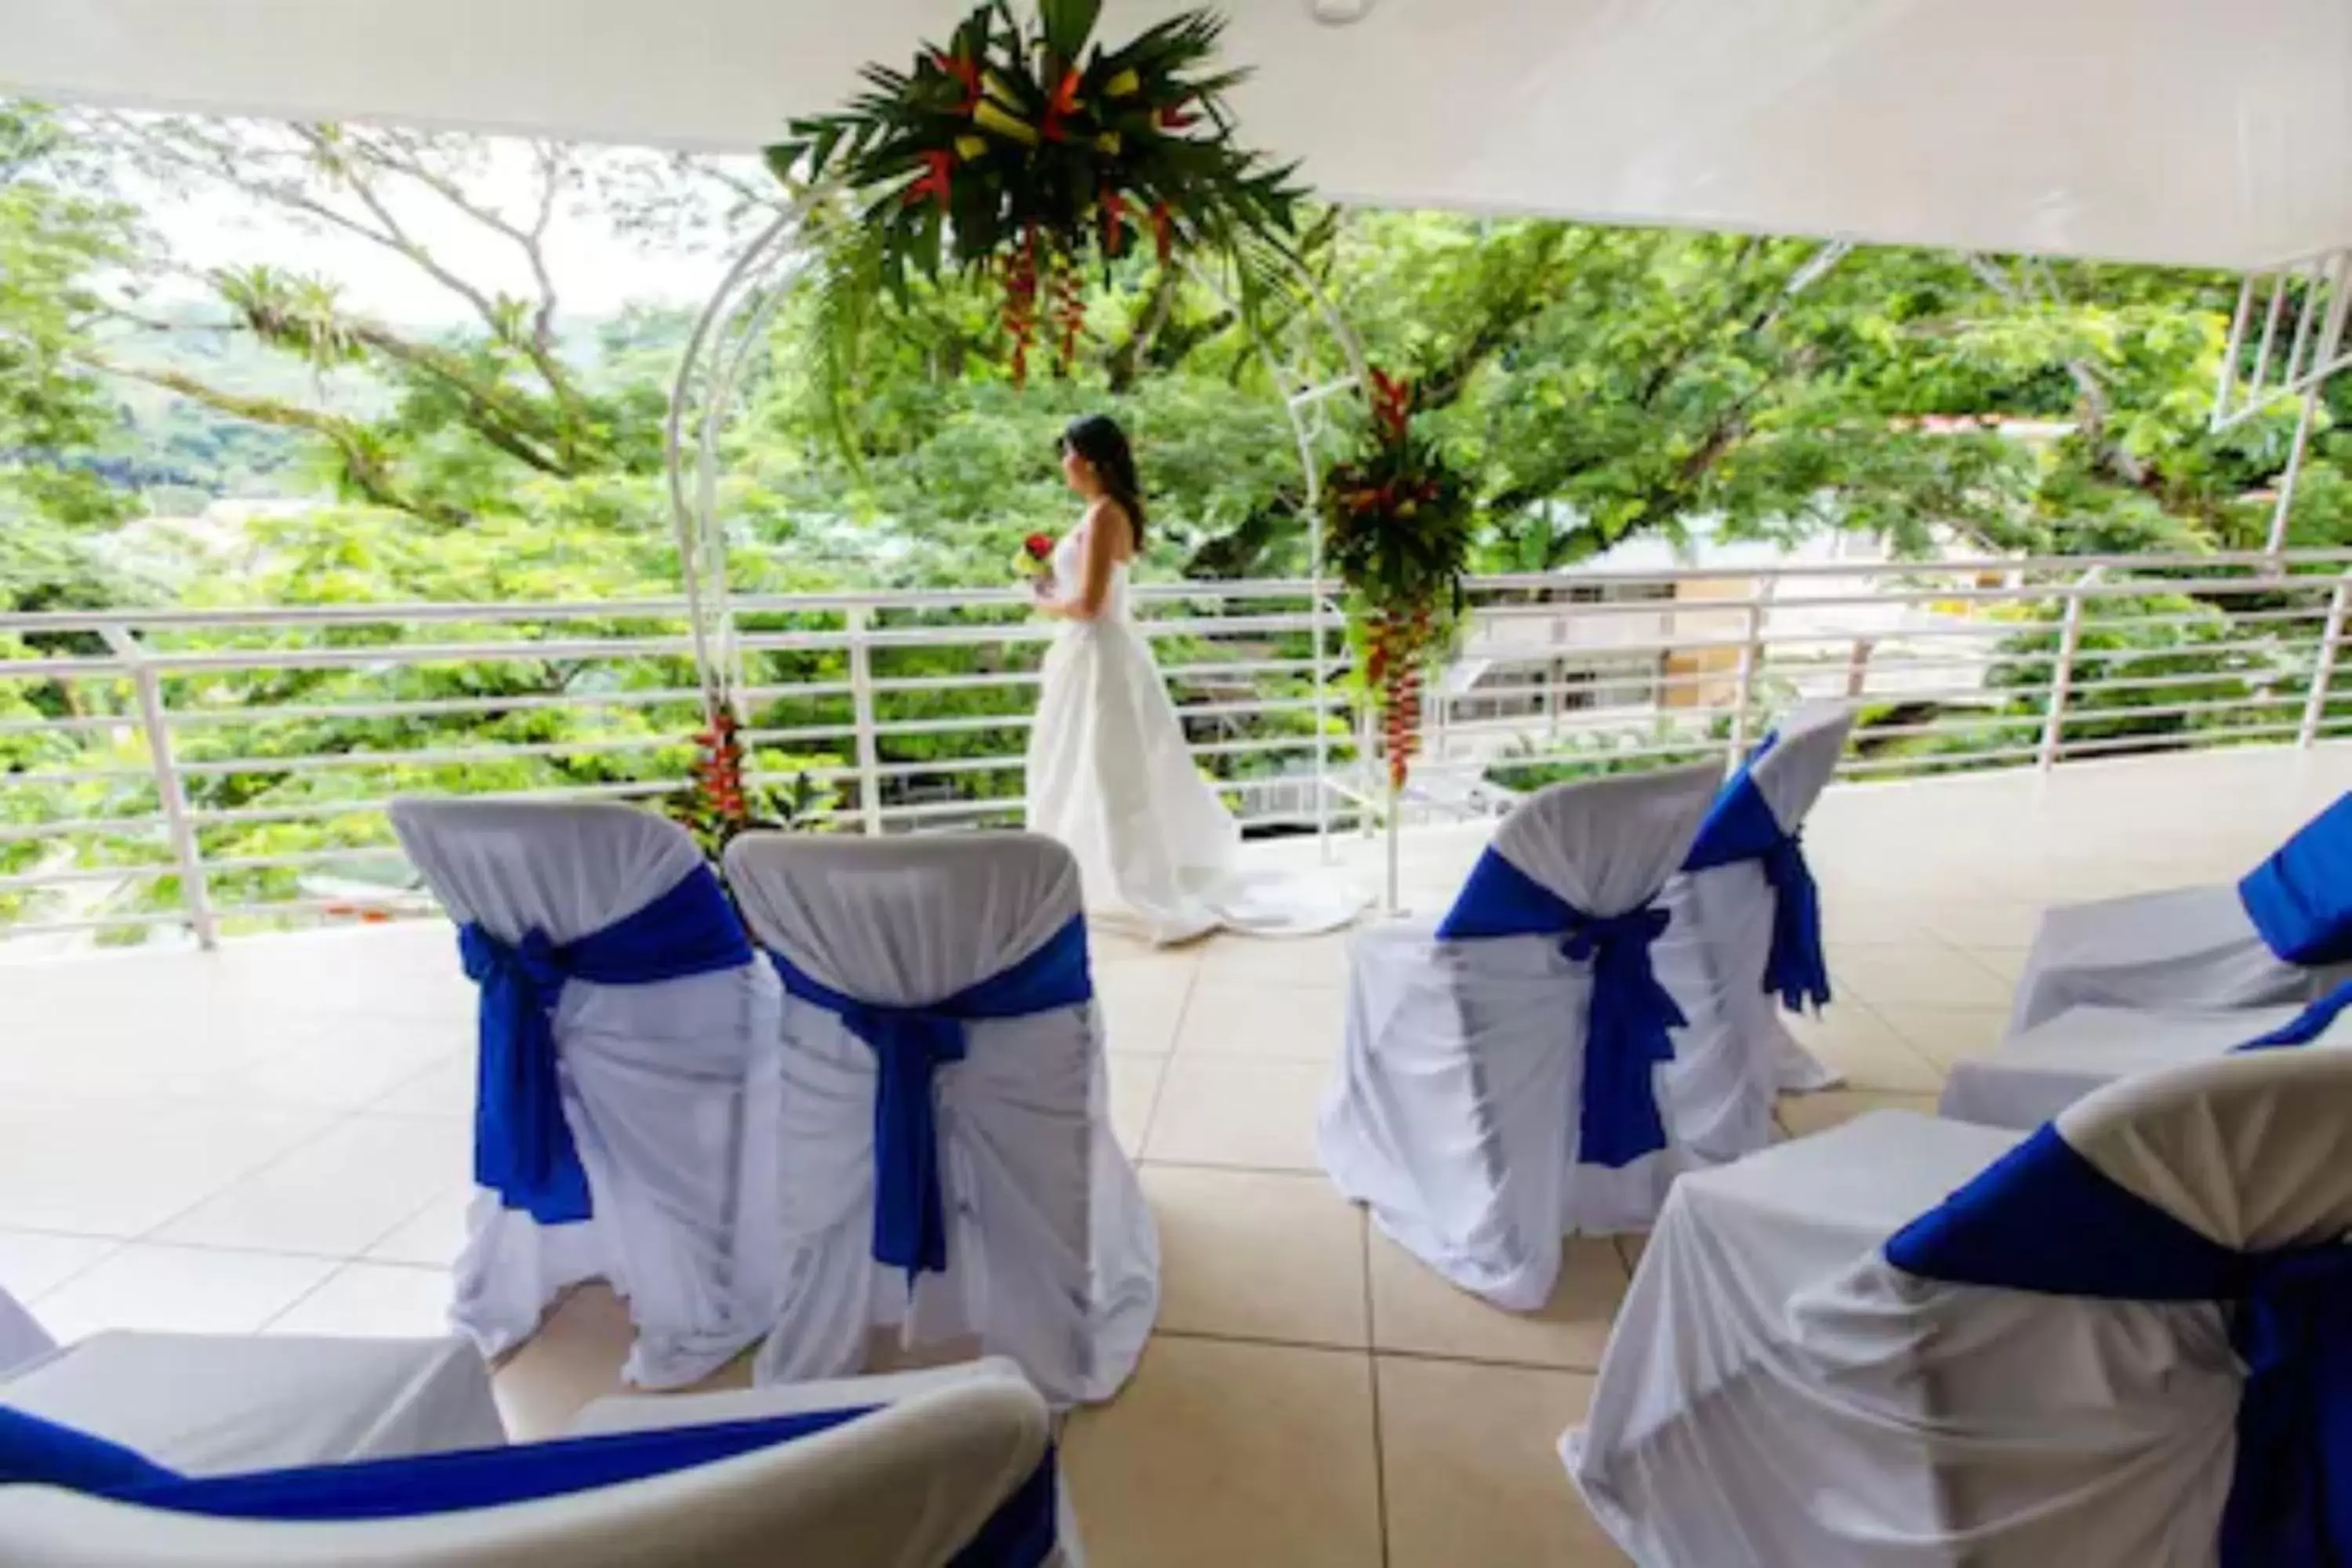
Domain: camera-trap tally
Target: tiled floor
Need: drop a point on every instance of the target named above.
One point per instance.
(273, 1138)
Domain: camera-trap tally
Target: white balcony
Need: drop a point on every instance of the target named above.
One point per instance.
(274, 1137)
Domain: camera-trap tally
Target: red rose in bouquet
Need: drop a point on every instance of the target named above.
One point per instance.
(1035, 560)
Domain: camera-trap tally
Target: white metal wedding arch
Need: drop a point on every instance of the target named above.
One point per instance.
(726, 350)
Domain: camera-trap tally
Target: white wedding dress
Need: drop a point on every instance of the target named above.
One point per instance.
(1110, 778)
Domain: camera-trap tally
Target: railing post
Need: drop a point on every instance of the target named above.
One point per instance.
(861, 705)
(1317, 628)
(1751, 648)
(2323, 672)
(2062, 678)
(186, 853)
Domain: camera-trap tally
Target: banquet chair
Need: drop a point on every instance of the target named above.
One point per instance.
(1747, 936)
(2117, 1342)
(209, 1405)
(949, 1173)
(952, 1467)
(2032, 1077)
(2262, 942)
(625, 1126)
(1498, 1089)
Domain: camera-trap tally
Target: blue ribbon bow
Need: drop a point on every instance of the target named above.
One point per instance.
(1629, 1017)
(910, 1045)
(523, 1148)
(1740, 826)
(2308, 1024)
(2300, 900)
(2043, 1218)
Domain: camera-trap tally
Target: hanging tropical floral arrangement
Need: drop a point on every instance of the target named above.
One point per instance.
(1397, 524)
(1022, 150)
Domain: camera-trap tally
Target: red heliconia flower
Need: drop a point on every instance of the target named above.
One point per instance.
(933, 183)
(1114, 221)
(1176, 117)
(963, 71)
(1391, 406)
(1061, 106)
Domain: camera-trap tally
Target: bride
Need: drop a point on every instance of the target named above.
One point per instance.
(1108, 771)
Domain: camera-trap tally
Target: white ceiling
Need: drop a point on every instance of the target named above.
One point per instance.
(2214, 131)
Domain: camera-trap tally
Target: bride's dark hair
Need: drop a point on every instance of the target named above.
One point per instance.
(1097, 438)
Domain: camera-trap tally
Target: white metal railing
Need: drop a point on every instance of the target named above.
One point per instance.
(222, 770)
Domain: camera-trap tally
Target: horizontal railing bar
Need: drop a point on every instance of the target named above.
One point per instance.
(424, 707)
(629, 790)
(2178, 710)
(405, 655)
(1948, 762)
(1943, 723)
(74, 726)
(73, 775)
(2172, 744)
(83, 875)
(79, 827)
(16, 928)
(807, 733)
(2151, 682)
(428, 612)
(450, 757)
(350, 905)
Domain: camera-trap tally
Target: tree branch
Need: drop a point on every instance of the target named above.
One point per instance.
(2089, 386)
(363, 467)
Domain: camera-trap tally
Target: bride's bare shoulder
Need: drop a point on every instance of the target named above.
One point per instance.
(1104, 512)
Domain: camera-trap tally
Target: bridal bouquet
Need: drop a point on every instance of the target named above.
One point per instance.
(1397, 520)
(1035, 560)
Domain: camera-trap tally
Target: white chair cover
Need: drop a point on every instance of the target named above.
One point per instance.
(1454, 1115)
(210, 1405)
(1052, 1256)
(2039, 1073)
(905, 1486)
(1737, 1055)
(1776, 1391)
(669, 1088)
(2184, 948)
(21, 1339)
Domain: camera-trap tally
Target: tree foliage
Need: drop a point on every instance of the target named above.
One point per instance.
(1590, 385)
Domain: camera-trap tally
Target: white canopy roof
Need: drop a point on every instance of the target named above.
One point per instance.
(2209, 132)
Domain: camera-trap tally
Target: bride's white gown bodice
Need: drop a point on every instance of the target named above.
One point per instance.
(1110, 777)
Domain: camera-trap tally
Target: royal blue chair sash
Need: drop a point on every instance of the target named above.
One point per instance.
(2300, 900)
(910, 1043)
(1629, 1014)
(1022, 1533)
(1740, 826)
(522, 1146)
(2043, 1218)
(2308, 1024)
